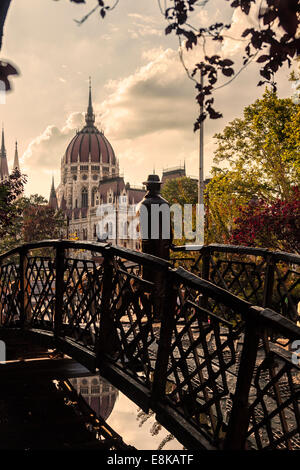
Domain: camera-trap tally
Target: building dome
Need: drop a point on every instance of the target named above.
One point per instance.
(89, 144)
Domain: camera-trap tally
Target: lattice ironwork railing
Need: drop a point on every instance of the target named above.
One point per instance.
(132, 306)
(204, 357)
(226, 368)
(82, 301)
(39, 291)
(264, 278)
(9, 294)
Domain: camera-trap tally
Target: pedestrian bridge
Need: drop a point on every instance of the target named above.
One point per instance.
(212, 349)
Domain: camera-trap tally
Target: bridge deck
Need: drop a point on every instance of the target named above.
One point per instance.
(40, 409)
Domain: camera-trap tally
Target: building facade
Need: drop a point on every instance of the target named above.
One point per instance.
(90, 180)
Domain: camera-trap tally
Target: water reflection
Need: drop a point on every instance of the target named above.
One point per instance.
(137, 428)
(99, 394)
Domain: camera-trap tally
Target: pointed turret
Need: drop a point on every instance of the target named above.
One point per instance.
(53, 199)
(16, 164)
(90, 117)
(3, 160)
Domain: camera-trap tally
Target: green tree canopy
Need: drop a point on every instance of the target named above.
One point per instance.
(181, 191)
(261, 157)
(263, 146)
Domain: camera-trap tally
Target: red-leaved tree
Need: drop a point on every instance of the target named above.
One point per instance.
(274, 225)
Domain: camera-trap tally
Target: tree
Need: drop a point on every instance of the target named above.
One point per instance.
(273, 225)
(10, 191)
(261, 152)
(181, 191)
(272, 42)
(40, 221)
(6, 69)
(29, 219)
(264, 146)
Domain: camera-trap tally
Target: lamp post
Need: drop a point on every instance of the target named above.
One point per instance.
(201, 179)
(200, 215)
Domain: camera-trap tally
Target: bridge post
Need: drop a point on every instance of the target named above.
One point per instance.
(163, 353)
(59, 288)
(24, 295)
(269, 281)
(107, 341)
(205, 272)
(239, 416)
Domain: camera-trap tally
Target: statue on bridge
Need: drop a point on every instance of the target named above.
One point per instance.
(156, 235)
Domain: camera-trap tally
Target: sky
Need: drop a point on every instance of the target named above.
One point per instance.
(143, 100)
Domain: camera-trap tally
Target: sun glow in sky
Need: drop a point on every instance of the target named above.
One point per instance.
(142, 97)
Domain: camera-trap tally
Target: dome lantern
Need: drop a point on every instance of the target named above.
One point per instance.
(90, 116)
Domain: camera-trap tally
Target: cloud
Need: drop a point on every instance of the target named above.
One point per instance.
(45, 151)
(153, 99)
(148, 117)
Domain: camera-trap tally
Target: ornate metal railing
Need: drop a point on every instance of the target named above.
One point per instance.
(262, 277)
(218, 371)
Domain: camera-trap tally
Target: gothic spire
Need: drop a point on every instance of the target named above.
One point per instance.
(3, 160)
(90, 117)
(16, 159)
(3, 151)
(53, 199)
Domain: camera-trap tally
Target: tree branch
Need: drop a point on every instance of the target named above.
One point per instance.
(4, 6)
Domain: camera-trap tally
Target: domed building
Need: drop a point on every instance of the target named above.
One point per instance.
(89, 178)
(100, 395)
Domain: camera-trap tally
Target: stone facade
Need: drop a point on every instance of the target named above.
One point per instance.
(89, 180)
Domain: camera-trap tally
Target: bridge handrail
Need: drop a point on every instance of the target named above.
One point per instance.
(97, 247)
(263, 316)
(238, 249)
(88, 319)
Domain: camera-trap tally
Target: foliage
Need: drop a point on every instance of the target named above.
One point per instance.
(181, 191)
(273, 41)
(263, 146)
(10, 191)
(273, 225)
(30, 219)
(40, 221)
(261, 152)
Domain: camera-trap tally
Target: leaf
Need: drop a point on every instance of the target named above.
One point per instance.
(246, 32)
(269, 16)
(169, 28)
(227, 62)
(6, 70)
(263, 58)
(287, 13)
(228, 72)
(213, 114)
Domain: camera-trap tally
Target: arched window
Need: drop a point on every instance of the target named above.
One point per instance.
(94, 190)
(84, 197)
